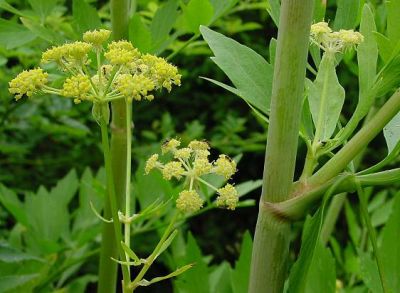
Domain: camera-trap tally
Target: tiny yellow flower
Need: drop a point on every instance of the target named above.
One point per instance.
(201, 166)
(319, 29)
(350, 38)
(151, 163)
(28, 83)
(173, 169)
(183, 153)
(224, 166)
(189, 201)
(134, 87)
(170, 146)
(228, 197)
(97, 37)
(121, 53)
(77, 87)
(197, 145)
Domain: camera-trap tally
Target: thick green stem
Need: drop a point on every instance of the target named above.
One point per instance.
(112, 199)
(271, 242)
(108, 268)
(339, 162)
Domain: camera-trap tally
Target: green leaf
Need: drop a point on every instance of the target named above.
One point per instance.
(175, 273)
(139, 34)
(85, 16)
(367, 56)
(273, 9)
(272, 51)
(384, 45)
(326, 98)
(322, 274)
(11, 202)
(14, 283)
(196, 279)
(197, 13)
(221, 7)
(249, 72)
(219, 279)
(41, 31)
(240, 275)
(13, 35)
(346, 14)
(66, 188)
(369, 273)
(354, 229)
(319, 10)
(393, 23)
(390, 249)
(248, 186)
(392, 133)
(162, 23)
(43, 8)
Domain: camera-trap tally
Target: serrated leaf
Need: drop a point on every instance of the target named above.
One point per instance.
(326, 98)
(66, 188)
(43, 7)
(13, 35)
(10, 201)
(139, 34)
(240, 275)
(197, 13)
(249, 72)
(85, 16)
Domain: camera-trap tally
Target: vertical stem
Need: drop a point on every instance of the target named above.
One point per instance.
(127, 228)
(112, 199)
(271, 242)
(109, 248)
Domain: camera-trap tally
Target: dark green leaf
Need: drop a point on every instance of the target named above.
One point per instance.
(248, 71)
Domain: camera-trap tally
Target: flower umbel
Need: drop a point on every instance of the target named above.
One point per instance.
(191, 163)
(28, 82)
(124, 74)
(334, 42)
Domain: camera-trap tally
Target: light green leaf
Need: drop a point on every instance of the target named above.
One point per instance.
(272, 51)
(367, 56)
(139, 34)
(346, 14)
(393, 17)
(167, 242)
(85, 16)
(319, 10)
(40, 31)
(13, 35)
(175, 273)
(162, 23)
(43, 8)
(274, 10)
(248, 186)
(219, 279)
(326, 98)
(249, 72)
(241, 273)
(66, 188)
(197, 13)
(390, 249)
(16, 282)
(369, 273)
(384, 45)
(392, 133)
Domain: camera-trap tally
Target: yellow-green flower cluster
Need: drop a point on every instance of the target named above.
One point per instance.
(134, 87)
(77, 87)
(28, 82)
(124, 74)
(334, 42)
(97, 37)
(191, 163)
